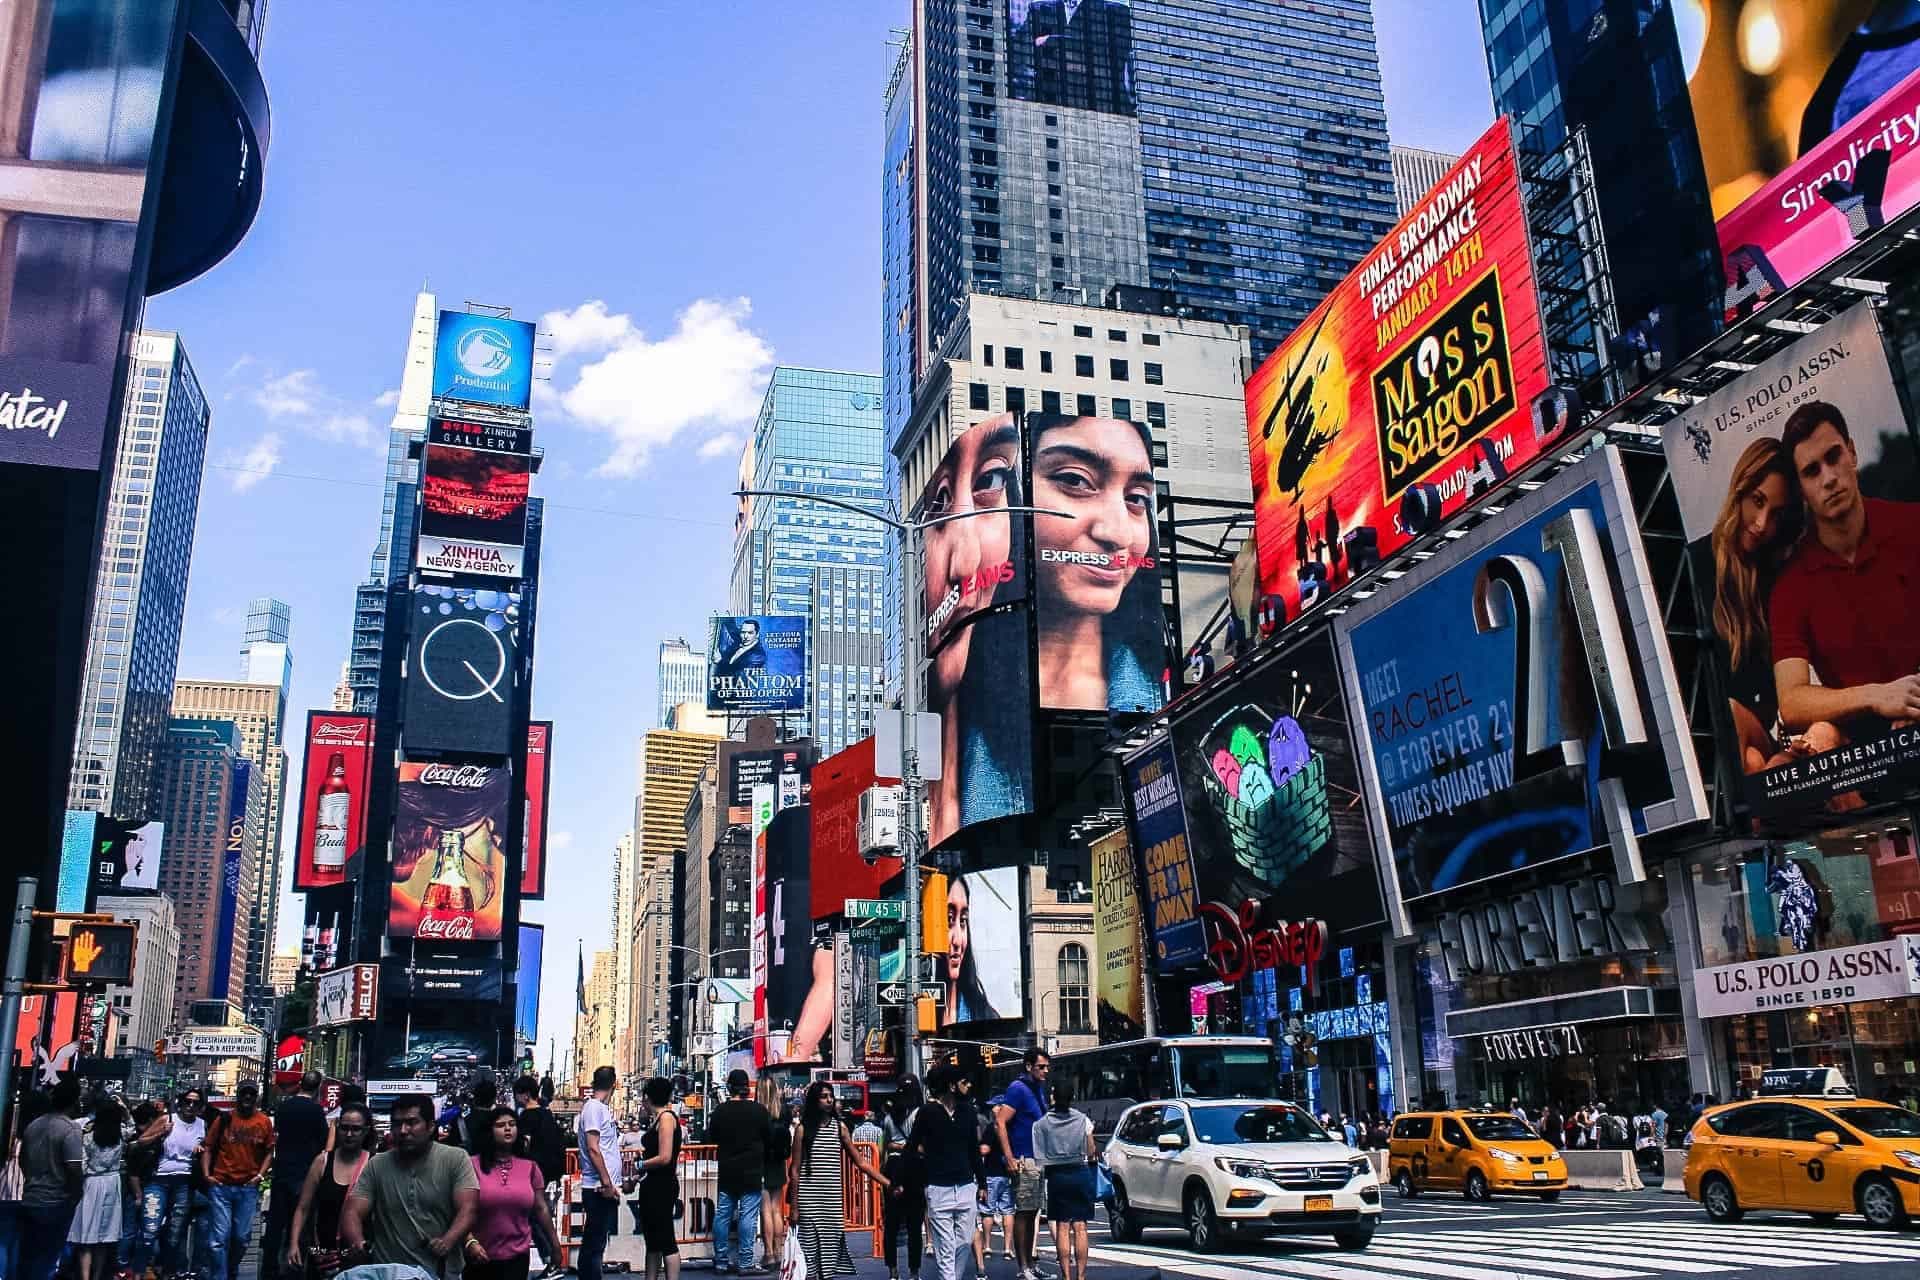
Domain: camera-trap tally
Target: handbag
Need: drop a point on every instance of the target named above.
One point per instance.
(1102, 1183)
(793, 1259)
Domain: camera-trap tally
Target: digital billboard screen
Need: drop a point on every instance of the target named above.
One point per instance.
(973, 563)
(1273, 807)
(1119, 946)
(1406, 394)
(461, 656)
(464, 434)
(757, 664)
(1515, 696)
(972, 925)
(1150, 781)
(1096, 596)
(232, 859)
(784, 769)
(533, 839)
(473, 512)
(794, 965)
(1809, 124)
(126, 856)
(483, 360)
(839, 870)
(1064, 54)
(1801, 504)
(449, 857)
(526, 983)
(334, 777)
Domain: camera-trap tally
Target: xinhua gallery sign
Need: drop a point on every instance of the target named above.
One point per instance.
(1844, 975)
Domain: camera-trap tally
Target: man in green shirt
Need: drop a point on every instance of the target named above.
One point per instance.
(421, 1196)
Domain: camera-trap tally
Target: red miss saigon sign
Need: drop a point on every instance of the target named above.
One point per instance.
(333, 799)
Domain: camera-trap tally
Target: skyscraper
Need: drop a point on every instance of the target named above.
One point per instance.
(670, 766)
(212, 801)
(819, 432)
(1417, 171)
(265, 654)
(133, 644)
(682, 678)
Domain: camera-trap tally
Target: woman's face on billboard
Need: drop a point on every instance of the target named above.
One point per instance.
(959, 928)
(967, 559)
(1096, 470)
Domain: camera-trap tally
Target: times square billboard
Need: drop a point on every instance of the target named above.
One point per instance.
(1409, 391)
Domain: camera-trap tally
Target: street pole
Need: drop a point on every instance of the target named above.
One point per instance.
(913, 643)
(18, 943)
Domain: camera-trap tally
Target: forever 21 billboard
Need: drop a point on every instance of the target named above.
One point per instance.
(462, 654)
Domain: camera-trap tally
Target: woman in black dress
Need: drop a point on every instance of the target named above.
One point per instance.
(659, 1193)
(773, 1204)
(314, 1234)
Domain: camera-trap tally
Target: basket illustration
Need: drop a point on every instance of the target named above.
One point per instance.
(1270, 787)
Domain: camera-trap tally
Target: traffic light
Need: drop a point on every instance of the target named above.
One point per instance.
(100, 955)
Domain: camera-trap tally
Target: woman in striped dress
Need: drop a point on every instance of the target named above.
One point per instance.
(819, 1183)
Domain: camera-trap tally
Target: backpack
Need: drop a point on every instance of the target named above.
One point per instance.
(545, 1144)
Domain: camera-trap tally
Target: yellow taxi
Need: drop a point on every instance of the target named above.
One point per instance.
(1821, 1155)
(1478, 1153)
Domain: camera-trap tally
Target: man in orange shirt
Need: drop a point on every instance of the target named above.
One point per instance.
(234, 1160)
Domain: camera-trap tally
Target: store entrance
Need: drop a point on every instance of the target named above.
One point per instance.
(1630, 1066)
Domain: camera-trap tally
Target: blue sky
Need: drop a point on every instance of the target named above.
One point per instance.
(690, 188)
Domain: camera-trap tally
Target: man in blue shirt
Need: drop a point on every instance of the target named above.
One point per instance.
(1026, 1102)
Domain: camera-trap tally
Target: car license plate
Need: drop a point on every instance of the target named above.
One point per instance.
(1319, 1204)
(1539, 1175)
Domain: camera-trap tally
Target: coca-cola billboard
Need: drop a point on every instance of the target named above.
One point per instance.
(333, 800)
(449, 852)
(533, 841)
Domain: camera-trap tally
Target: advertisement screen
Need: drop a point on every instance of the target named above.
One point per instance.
(462, 434)
(757, 664)
(1097, 567)
(1517, 694)
(1406, 394)
(332, 838)
(346, 995)
(1120, 978)
(461, 656)
(784, 770)
(981, 687)
(483, 360)
(1159, 825)
(839, 871)
(441, 973)
(233, 855)
(526, 1002)
(449, 860)
(438, 1038)
(972, 923)
(125, 857)
(1809, 136)
(473, 512)
(533, 839)
(799, 973)
(973, 563)
(1801, 503)
(1273, 807)
(1064, 54)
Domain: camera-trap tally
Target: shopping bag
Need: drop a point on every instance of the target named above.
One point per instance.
(1102, 1183)
(793, 1259)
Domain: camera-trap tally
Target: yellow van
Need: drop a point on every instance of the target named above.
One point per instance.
(1478, 1153)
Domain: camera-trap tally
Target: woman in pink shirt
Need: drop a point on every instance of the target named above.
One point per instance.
(511, 1210)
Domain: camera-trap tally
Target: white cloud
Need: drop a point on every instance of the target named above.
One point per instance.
(724, 445)
(387, 399)
(295, 394)
(352, 428)
(704, 377)
(559, 841)
(258, 462)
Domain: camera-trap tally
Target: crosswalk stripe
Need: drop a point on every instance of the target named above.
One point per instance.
(1564, 1261)
(1353, 1266)
(1728, 1235)
(1680, 1250)
(1207, 1271)
(1489, 1243)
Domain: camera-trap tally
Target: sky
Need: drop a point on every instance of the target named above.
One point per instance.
(684, 192)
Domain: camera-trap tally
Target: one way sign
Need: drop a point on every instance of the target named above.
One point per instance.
(894, 994)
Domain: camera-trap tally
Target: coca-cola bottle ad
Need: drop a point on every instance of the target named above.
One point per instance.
(449, 858)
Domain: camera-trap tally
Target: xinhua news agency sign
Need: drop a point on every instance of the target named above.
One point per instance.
(1844, 975)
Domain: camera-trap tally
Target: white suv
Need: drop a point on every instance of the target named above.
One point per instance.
(1221, 1168)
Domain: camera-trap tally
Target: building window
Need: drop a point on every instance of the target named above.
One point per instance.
(976, 395)
(1156, 414)
(1050, 402)
(1016, 358)
(1116, 335)
(1083, 366)
(1076, 1004)
(1083, 331)
(987, 355)
(1149, 339)
(1086, 408)
(1046, 362)
(1153, 374)
(1117, 369)
(1122, 408)
(1016, 400)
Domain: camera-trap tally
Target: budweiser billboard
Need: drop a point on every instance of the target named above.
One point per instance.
(533, 841)
(1407, 393)
(449, 852)
(333, 799)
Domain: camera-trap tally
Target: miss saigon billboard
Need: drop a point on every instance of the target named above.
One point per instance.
(1408, 392)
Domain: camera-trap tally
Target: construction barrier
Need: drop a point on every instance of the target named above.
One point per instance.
(693, 1213)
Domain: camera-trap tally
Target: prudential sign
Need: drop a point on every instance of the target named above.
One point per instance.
(483, 360)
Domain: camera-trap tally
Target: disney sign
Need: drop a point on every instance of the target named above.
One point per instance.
(1239, 944)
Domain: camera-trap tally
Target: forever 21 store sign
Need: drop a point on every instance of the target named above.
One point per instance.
(1550, 925)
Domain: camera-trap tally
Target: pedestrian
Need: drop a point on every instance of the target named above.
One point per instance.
(166, 1209)
(1659, 1118)
(738, 1130)
(773, 1198)
(313, 1229)
(660, 1180)
(865, 1130)
(232, 1164)
(999, 1205)
(53, 1175)
(1518, 1112)
(299, 1134)
(545, 1145)
(946, 1143)
(95, 1233)
(819, 1178)
(420, 1197)
(598, 1138)
(509, 1209)
(150, 1125)
(1552, 1127)
(905, 1209)
(1026, 1102)
(1063, 1143)
(1348, 1130)
(467, 1128)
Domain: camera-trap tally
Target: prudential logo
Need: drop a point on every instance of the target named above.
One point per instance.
(485, 353)
(484, 359)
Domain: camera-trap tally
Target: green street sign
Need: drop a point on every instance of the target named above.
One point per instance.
(876, 909)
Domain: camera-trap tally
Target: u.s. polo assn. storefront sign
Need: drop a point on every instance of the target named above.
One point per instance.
(1845, 975)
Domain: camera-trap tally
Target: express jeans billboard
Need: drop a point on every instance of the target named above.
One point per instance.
(449, 857)
(1518, 697)
(757, 664)
(1797, 490)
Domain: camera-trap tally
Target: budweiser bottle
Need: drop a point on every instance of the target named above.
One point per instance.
(446, 909)
(331, 819)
